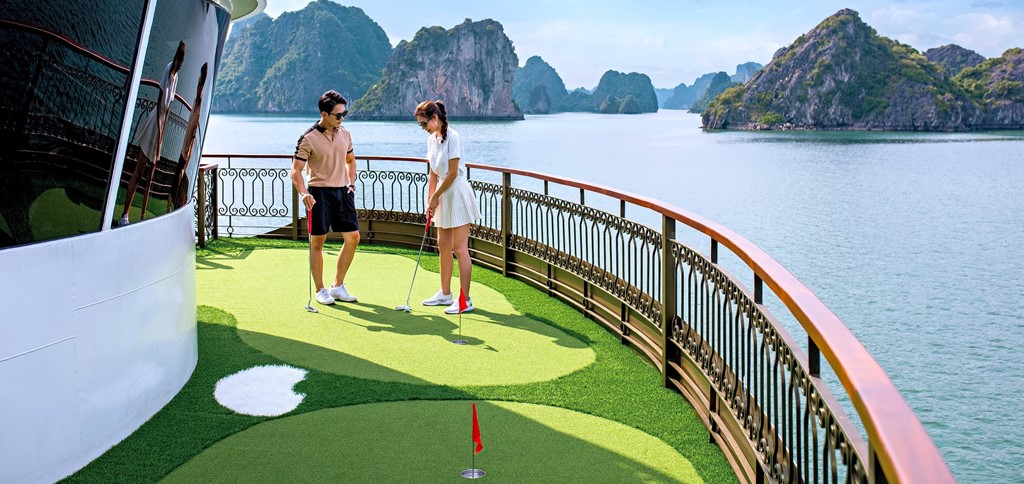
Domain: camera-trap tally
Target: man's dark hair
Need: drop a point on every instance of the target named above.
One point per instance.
(329, 100)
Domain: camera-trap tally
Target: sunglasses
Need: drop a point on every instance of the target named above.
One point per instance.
(340, 115)
(423, 124)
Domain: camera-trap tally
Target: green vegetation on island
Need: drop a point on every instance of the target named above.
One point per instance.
(843, 75)
(997, 85)
(471, 67)
(718, 85)
(284, 65)
(620, 86)
(539, 90)
(953, 58)
(537, 87)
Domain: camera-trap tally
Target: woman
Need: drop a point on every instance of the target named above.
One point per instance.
(150, 135)
(452, 203)
(180, 189)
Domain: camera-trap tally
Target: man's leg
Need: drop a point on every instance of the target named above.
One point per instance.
(316, 256)
(347, 253)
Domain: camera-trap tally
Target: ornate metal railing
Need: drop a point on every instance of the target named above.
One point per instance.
(758, 391)
(66, 112)
(205, 199)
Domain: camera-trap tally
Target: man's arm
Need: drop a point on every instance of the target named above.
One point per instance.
(300, 184)
(350, 167)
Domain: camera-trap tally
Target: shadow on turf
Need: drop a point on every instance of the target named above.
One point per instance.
(383, 319)
(193, 421)
(413, 442)
(433, 321)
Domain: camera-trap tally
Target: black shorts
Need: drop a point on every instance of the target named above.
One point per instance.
(335, 209)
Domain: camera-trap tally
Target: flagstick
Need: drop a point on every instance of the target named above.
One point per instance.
(460, 341)
(473, 472)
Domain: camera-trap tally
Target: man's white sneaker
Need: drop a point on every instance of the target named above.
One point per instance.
(454, 308)
(438, 299)
(324, 297)
(341, 294)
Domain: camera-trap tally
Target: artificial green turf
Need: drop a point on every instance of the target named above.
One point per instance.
(430, 442)
(618, 386)
(54, 215)
(6, 229)
(370, 339)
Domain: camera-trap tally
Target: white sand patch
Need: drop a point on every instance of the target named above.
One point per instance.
(263, 391)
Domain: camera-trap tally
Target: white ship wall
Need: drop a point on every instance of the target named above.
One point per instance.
(98, 334)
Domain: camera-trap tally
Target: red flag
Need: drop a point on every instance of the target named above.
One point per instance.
(462, 302)
(476, 433)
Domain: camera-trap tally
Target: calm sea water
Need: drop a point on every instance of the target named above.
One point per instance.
(914, 240)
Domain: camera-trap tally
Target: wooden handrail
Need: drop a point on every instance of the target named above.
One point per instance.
(903, 446)
(905, 451)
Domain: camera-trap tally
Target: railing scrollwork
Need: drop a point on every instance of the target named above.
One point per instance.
(758, 391)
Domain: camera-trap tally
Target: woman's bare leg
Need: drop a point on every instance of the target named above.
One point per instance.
(460, 245)
(444, 246)
(133, 183)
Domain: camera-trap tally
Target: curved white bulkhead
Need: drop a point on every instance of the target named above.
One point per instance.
(99, 333)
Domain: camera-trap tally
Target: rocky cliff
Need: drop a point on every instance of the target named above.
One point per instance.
(997, 85)
(268, 66)
(578, 100)
(470, 67)
(537, 73)
(683, 97)
(618, 86)
(953, 58)
(745, 72)
(719, 84)
(843, 75)
(663, 94)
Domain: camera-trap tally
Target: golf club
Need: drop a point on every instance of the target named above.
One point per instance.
(406, 307)
(309, 233)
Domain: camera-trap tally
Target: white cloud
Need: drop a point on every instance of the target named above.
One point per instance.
(924, 25)
(276, 7)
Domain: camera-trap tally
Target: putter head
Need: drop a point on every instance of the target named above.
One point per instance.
(403, 308)
(311, 309)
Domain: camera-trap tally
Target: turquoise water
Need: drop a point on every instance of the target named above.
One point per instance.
(913, 240)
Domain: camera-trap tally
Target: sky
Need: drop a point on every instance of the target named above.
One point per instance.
(676, 41)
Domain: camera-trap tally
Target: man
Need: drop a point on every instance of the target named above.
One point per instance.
(325, 152)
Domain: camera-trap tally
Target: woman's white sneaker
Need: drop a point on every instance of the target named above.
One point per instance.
(341, 294)
(454, 308)
(439, 299)
(324, 297)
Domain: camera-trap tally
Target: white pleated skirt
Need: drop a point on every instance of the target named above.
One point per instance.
(458, 206)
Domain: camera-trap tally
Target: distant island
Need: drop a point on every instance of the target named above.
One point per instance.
(266, 68)
(687, 97)
(842, 75)
(470, 67)
(539, 89)
(473, 67)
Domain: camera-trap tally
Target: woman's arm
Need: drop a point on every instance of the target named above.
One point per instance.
(431, 188)
(453, 173)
